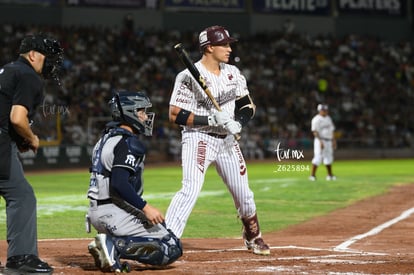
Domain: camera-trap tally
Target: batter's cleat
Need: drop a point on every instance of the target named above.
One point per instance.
(101, 254)
(258, 246)
(329, 178)
(312, 178)
(26, 264)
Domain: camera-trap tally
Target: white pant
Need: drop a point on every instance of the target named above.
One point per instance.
(198, 152)
(324, 155)
(115, 221)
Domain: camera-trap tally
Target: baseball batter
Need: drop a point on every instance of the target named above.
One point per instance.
(208, 135)
(324, 142)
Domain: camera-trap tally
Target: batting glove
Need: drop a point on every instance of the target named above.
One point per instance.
(233, 127)
(222, 118)
(211, 120)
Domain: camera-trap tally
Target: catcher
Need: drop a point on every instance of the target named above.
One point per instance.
(128, 227)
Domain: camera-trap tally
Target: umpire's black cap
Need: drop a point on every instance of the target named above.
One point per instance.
(40, 43)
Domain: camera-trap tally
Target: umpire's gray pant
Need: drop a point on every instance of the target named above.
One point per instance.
(20, 210)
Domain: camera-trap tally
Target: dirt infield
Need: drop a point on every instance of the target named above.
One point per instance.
(374, 236)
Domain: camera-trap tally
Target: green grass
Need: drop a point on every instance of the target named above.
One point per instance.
(282, 198)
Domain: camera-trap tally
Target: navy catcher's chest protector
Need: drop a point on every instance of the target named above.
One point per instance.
(135, 147)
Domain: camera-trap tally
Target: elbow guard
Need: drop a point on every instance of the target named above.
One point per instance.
(245, 109)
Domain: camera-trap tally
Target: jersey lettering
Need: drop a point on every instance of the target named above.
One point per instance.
(201, 155)
(130, 160)
(227, 96)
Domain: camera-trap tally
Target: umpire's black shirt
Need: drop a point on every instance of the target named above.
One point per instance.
(19, 85)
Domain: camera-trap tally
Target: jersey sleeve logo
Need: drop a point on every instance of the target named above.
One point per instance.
(130, 160)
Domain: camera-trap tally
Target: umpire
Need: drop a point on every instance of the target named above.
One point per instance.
(21, 92)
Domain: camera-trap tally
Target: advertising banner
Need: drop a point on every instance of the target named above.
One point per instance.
(203, 5)
(309, 7)
(31, 2)
(377, 7)
(152, 4)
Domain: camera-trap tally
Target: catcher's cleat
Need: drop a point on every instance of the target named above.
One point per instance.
(101, 254)
(258, 246)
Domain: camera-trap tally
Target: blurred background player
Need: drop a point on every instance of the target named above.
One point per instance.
(208, 135)
(128, 227)
(324, 142)
(21, 92)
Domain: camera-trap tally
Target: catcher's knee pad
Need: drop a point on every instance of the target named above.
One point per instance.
(173, 246)
(147, 250)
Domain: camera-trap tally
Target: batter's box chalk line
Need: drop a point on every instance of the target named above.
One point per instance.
(374, 231)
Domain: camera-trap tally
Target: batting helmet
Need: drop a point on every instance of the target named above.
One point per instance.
(124, 106)
(47, 46)
(214, 35)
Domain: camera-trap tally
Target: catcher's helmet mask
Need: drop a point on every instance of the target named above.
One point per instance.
(50, 48)
(124, 107)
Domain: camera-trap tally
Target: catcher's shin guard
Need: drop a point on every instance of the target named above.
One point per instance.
(149, 250)
(253, 237)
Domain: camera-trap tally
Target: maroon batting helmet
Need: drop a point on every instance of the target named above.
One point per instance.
(215, 35)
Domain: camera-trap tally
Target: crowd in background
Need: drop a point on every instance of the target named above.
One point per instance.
(367, 83)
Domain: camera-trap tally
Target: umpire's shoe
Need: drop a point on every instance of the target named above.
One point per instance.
(27, 264)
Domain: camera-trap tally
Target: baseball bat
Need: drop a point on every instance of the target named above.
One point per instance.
(185, 58)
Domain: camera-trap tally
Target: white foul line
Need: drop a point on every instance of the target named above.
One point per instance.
(375, 230)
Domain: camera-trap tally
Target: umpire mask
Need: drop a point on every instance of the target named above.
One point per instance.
(124, 106)
(50, 48)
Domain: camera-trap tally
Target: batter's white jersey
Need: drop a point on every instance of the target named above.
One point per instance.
(200, 148)
(226, 87)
